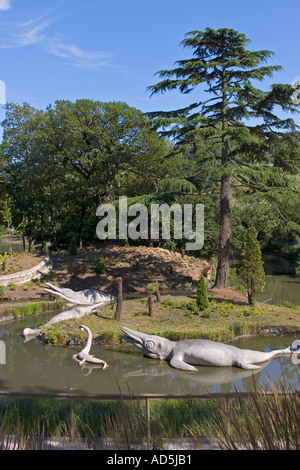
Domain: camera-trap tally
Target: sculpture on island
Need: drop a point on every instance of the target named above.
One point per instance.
(84, 355)
(182, 354)
(83, 297)
(87, 301)
(75, 312)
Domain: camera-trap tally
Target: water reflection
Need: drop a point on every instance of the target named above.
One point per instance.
(35, 366)
(281, 289)
(14, 247)
(282, 285)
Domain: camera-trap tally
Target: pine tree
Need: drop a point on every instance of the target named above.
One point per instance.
(202, 297)
(221, 61)
(251, 268)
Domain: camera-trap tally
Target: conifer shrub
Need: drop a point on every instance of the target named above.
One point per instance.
(202, 296)
(251, 268)
(101, 267)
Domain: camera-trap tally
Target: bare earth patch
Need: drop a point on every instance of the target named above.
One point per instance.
(138, 267)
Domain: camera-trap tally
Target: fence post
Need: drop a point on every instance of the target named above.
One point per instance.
(72, 418)
(151, 305)
(148, 422)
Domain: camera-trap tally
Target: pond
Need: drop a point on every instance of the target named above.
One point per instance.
(11, 246)
(282, 285)
(36, 366)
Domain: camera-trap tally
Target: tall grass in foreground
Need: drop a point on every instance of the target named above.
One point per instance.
(257, 422)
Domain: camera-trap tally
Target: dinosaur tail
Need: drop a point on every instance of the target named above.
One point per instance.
(31, 332)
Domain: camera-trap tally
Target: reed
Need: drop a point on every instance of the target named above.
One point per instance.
(260, 421)
(254, 421)
(33, 308)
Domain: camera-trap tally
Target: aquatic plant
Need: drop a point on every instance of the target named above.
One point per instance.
(33, 308)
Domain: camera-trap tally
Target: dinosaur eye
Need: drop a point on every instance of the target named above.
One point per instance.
(149, 344)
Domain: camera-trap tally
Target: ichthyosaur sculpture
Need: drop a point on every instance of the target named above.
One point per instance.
(84, 302)
(185, 354)
(75, 312)
(82, 297)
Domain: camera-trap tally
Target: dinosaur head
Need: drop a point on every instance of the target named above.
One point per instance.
(151, 345)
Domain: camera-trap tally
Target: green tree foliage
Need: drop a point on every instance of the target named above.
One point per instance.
(251, 265)
(101, 142)
(202, 296)
(60, 163)
(238, 120)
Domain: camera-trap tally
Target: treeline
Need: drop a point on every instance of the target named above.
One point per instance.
(235, 152)
(58, 165)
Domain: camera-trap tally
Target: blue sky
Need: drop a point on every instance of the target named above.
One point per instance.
(110, 50)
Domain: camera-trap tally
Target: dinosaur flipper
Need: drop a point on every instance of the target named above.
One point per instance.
(246, 365)
(178, 363)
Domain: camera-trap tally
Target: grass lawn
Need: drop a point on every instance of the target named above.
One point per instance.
(176, 317)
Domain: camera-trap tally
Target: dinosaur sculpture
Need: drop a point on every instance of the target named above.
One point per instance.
(84, 302)
(75, 312)
(83, 297)
(183, 354)
(84, 355)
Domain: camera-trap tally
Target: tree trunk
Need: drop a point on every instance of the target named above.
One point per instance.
(225, 218)
(224, 235)
(251, 292)
(81, 222)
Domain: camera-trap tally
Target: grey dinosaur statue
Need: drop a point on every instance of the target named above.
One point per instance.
(182, 354)
(83, 297)
(84, 355)
(75, 312)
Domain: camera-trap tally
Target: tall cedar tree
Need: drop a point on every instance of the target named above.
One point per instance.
(251, 267)
(238, 117)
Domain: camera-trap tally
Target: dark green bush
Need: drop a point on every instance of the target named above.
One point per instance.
(202, 297)
(101, 267)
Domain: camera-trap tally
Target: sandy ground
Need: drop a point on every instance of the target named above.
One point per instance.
(138, 267)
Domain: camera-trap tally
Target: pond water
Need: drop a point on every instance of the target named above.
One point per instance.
(15, 247)
(35, 366)
(282, 285)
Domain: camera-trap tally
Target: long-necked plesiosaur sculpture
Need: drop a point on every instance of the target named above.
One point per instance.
(84, 355)
(185, 354)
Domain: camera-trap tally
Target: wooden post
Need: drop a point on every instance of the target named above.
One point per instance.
(119, 282)
(151, 305)
(72, 419)
(148, 421)
(157, 293)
